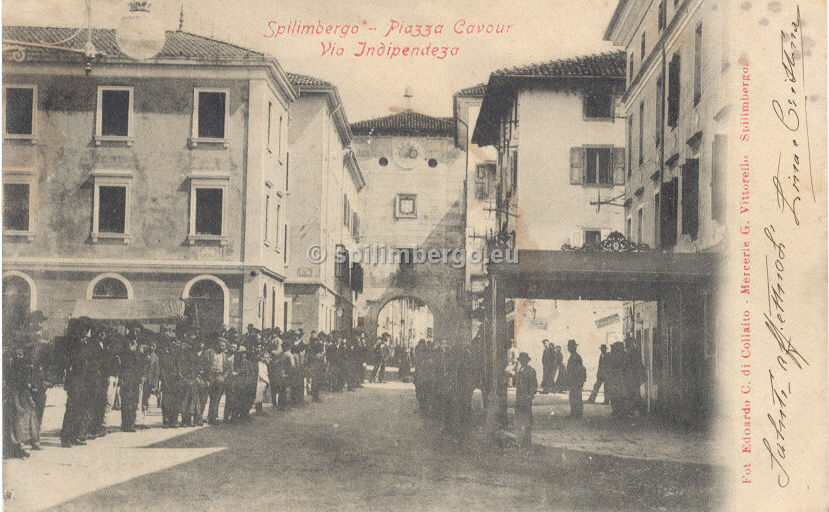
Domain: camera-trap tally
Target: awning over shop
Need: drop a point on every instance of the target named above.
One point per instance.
(129, 310)
(601, 275)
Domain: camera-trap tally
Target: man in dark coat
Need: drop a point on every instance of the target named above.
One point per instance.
(601, 375)
(576, 375)
(526, 385)
(548, 365)
(19, 417)
(71, 354)
(129, 380)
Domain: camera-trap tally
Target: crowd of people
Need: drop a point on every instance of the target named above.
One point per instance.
(188, 372)
(445, 380)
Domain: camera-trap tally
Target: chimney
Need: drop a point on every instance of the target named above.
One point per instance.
(408, 95)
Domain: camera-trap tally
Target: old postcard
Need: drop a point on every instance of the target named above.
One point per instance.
(434, 255)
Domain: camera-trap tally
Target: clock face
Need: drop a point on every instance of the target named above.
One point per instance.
(407, 154)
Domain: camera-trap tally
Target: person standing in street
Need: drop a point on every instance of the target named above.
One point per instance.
(129, 380)
(548, 365)
(381, 350)
(526, 385)
(218, 370)
(601, 376)
(576, 375)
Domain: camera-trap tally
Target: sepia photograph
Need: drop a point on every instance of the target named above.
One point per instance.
(288, 255)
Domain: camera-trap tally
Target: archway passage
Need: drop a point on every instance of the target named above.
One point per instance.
(407, 320)
(205, 305)
(17, 297)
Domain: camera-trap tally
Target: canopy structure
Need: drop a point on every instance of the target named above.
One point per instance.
(125, 310)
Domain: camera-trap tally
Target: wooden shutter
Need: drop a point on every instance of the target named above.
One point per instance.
(618, 166)
(577, 158)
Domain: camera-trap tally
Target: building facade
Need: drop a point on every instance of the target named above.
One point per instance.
(559, 182)
(415, 200)
(481, 168)
(676, 114)
(141, 190)
(326, 209)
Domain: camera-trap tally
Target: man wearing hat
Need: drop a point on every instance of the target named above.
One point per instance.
(576, 375)
(219, 367)
(526, 385)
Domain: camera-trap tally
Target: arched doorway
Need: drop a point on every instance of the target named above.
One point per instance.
(407, 320)
(17, 302)
(205, 305)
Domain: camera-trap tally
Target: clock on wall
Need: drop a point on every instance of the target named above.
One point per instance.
(407, 154)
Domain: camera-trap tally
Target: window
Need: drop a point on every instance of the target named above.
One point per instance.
(639, 225)
(20, 105)
(346, 211)
(111, 205)
(278, 215)
(285, 244)
(641, 133)
(16, 208)
(209, 211)
(657, 226)
(211, 111)
(208, 202)
(642, 48)
(598, 105)
(690, 198)
(718, 182)
(482, 172)
(628, 227)
(110, 288)
(698, 64)
(114, 113)
(662, 16)
(270, 119)
(603, 166)
(355, 227)
(659, 110)
(674, 70)
(267, 216)
(599, 170)
(341, 263)
(405, 206)
(592, 237)
(630, 144)
(432, 163)
(668, 214)
(630, 69)
(281, 137)
(514, 172)
(383, 161)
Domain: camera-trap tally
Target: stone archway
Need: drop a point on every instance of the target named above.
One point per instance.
(450, 320)
(407, 320)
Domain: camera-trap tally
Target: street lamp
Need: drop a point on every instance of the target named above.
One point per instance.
(139, 34)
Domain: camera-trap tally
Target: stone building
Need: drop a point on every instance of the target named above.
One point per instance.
(480, 193)
(559, 181)
(414, 200)
(143, 189)
(326, 209)
(676, 114)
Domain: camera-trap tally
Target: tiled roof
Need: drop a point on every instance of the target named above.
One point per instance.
(178, 45)
(596, 71)
(298, 80)
(406, 123)
(475, 90)
(608, 64)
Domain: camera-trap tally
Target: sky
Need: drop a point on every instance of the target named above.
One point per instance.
(369, 86)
